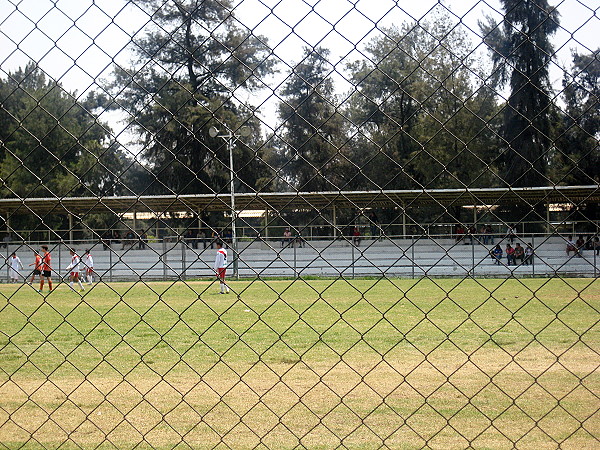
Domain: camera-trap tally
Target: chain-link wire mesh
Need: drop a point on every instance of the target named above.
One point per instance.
(292, 223)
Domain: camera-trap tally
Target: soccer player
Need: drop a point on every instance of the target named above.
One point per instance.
(15, 265)
(46, 269)
(221, 266)
(37, 267)
(89, 266)
(73, 268)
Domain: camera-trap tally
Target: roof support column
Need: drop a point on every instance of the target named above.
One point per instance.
(266, 226)
(548, 225)
(334, 218)
(70, 228)
(403, 221)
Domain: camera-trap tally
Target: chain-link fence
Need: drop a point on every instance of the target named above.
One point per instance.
(292, 223)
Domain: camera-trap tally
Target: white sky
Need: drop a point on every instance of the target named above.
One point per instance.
(77, 41)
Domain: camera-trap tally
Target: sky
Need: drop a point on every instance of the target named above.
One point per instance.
(77, 41)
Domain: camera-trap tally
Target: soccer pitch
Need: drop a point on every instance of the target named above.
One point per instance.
(313, 363)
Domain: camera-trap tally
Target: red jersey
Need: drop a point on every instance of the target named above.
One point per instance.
(46, 262)
(38, 263)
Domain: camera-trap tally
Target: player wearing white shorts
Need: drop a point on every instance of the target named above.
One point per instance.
(88, 261)
(73, 270)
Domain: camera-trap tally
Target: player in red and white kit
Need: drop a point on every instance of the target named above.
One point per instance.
(88, 261)
(221, 267)
(37, 267)
(46, 268)
(73, 268)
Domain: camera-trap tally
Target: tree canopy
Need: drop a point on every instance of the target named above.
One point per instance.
(190, 71)
(53, 144)
(521, 52)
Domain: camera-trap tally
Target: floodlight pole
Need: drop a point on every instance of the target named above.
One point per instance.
(230, 143)
(230, 138)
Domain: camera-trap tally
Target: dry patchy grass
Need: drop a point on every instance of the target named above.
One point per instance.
(278, 364)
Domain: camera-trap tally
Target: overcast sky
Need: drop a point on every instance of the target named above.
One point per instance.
(77, 41)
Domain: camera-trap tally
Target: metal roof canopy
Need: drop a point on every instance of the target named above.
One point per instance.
(196, 203)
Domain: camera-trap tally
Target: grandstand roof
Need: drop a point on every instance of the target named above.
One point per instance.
(303, 200)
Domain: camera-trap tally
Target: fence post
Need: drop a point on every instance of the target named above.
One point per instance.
(533, 255)
(59, 264)
(473, 238)
(595, 268)
(183, 261)
(164, 259)
(412, 258)
(352, 245)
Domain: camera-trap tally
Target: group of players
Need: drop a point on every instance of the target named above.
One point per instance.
(42, 268)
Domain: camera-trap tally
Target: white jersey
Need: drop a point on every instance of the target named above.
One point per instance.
(88, 261)
(221, 259)
(74, 266)
(15, 263)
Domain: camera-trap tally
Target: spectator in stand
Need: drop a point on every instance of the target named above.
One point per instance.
(483, 234)
(287, 238)
(374, 224)
(356, 236)
(571, 246)
(106, 239)
(459, 232)
(472, 231)
(190, 238)
(489, 231)
(519, 253)
(128, 241)
(596, 245)
(299, 240)
(511, 233)
(202, 238)
(228, 236)
(528, 254)
(143, 241)
(497, 254)
(116, 237)
(510, 255)
(580, 245)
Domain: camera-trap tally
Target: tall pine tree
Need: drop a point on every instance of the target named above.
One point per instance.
(312, 126)
(521, 52)
(193, 68)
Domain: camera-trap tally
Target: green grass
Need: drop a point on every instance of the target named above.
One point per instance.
(317, 363)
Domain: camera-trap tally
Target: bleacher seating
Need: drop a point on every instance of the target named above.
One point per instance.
(410, 258)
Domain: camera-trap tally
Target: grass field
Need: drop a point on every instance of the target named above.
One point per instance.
(319, 364)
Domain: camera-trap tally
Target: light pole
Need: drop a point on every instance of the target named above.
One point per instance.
(230, 138)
